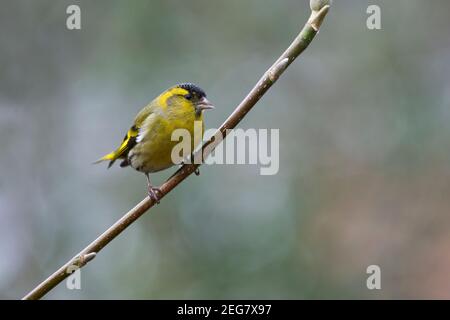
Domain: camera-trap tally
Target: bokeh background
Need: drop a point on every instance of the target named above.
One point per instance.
(364, 150)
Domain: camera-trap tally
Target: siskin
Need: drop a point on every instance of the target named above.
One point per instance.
(147, 146)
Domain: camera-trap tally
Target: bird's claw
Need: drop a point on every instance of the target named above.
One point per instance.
(197, 171)
(153, 193)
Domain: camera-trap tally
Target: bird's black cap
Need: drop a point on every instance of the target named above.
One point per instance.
(193, 89)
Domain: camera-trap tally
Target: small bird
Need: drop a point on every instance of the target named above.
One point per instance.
(147, 146)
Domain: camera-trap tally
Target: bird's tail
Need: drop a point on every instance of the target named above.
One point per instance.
(128, 142)
(111, 157)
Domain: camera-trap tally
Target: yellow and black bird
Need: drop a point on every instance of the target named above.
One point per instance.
(147, 146)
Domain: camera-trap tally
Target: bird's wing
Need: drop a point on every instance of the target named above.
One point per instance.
(129, 141)
(144, 114)
(132, 136)
(147, 126)
(146, 119)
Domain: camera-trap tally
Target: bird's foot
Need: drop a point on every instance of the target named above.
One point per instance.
(153, 193)
(197, 171)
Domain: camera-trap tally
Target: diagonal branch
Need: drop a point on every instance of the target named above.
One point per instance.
(319, 10)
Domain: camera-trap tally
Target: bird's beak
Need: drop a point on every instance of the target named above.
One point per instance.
(204, 104)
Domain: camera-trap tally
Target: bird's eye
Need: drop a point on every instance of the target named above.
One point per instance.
(188, 96)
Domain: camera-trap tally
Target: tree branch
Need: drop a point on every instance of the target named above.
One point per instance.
(319, 9)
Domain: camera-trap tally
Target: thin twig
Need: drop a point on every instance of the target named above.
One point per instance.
(319, 10)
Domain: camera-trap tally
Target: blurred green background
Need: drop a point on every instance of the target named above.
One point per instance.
(364, 150)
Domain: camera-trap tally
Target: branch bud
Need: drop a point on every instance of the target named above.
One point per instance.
(319, 11)
(316, 5)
